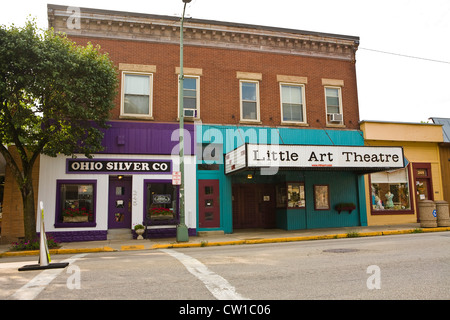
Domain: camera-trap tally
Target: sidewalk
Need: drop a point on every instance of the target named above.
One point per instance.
(239, 237)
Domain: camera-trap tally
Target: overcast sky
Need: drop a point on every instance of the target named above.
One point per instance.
(391, 87)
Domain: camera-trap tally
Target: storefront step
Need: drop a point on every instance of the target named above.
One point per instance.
(210, 233)
(119, 234)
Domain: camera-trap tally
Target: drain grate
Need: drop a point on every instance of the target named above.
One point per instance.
(341, 250)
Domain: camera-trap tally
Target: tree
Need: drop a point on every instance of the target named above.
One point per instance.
(55, 98)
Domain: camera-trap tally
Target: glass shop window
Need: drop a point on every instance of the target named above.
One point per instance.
(296, 195)
(162, 201)
(76, 202)
(291, 195)
(390, 190)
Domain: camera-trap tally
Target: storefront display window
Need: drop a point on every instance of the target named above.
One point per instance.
(162, 203)
(76, 201)
(390, 190)
(291, 195)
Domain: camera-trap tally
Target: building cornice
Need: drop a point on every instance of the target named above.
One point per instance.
(206, 33)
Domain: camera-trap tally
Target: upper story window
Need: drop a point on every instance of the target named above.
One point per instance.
(191, 96)
(137, 94)
(292, 103)
(249, 92)
(333, 101)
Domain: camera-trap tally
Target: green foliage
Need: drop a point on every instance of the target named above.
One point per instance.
(138, 226)
(353, 234)
(34, 244)
(55, 96)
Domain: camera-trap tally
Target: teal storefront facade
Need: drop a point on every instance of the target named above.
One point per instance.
(262, 197)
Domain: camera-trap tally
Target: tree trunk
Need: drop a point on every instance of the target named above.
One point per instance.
(29, 210)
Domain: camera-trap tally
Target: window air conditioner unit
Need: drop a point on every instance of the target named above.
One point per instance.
(336, 117)
(189, 113)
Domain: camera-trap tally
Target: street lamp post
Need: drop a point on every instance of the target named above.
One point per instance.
(182, 230)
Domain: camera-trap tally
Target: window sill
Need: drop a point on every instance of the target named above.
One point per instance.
(390, 212)
(75, 224)
(250, 122)
(130, 117)
(189, 119)
(332, 125)
(157, 223)
(297, 124)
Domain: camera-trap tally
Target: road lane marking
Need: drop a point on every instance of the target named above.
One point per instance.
(15, 265)
(217, 285)
(35, 286)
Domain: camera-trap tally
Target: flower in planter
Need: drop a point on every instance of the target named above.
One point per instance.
(34, 244)
(345, 207)
(76, 212)
(160, 211)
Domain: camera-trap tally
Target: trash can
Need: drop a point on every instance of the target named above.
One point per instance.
(427, 214)
(443, 217)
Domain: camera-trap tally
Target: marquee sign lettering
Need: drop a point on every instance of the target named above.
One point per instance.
(307, 156)
(118, 166)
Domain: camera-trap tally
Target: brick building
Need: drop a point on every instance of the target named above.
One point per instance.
(253, 96)
(11, 208)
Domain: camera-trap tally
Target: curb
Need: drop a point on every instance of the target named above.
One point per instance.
(55, 251)
(225, 243)
(292, 239)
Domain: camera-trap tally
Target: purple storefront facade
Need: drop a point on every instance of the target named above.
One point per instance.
(128, 183)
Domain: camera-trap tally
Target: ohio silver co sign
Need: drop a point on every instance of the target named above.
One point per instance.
(118, 166)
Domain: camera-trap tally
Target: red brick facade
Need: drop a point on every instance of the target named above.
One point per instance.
(219, 86)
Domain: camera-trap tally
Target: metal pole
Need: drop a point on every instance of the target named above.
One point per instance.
(182, 230)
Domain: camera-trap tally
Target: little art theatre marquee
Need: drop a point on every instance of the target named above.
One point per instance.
(283, 156)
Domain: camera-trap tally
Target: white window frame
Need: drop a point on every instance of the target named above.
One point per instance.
(257, 101)
(302, 86)
(122, 103)
(340, 105)
(197, 84)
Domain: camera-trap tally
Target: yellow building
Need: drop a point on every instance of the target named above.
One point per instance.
(444, 150)
(392, 196)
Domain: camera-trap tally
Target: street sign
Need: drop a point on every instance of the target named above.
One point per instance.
(176, 178)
